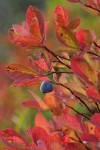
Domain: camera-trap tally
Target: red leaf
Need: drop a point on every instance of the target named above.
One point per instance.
(75, 146)
(22, 75)
(72, 122)
(61, 16)
(74, 24)
(39, 133)
(33, 13)
(19, 83)
(84, 38)
(97, 132)
(96, 119)
(13, 139)
(81, 67)
(89, 138)
(32, 104)
(93, 93)
(22, 40)
(19, 72)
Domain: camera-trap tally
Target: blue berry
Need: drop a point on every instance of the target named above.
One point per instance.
(46, 87)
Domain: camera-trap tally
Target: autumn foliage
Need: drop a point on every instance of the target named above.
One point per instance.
(73, 75)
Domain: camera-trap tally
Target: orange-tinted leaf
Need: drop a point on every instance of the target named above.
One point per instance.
(74, 24)
(23, 41)
(27, 82)
(88, 138)
(19, 68)
(96, 119)
(32, 13)
(84, 38)
(39, 133)
(19, 72)
(13, 139)
(75, 146)
(34, 29)
(39, 100)
(93, 93)
(44, 123)
(66, 36)
(61, 16)
(53, 102)
(84, 70)
(10, 148)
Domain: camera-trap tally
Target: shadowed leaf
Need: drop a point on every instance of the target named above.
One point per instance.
(93, 93)
(96, 119)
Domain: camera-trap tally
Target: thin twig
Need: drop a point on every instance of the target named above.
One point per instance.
(96, 44)
(74, 95)
(56, 56)
(93, 54)
(77, 111)
(97, 106)
(89, 6)
(57, 72)
(81, 141)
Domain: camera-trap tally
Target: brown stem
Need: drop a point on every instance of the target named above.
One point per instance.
(56, 56)
(93, 54)
(81, 141)
(74, 95)
(97, 106)
(77, 111)
(89, 6)
(56, 73)
(96, 44)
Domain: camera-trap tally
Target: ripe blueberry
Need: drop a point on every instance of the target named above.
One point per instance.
(46, 87)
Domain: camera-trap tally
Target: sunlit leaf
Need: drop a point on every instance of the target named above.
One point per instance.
(39, 133)
(53, 103)
(44, 123)
(61, 16)
(13, 139)
(84, 38)
(72, 122)
(33, 13)
(66, 36)
(83, 69)
(23, 41)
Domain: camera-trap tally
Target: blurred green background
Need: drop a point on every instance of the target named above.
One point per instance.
(12, 114)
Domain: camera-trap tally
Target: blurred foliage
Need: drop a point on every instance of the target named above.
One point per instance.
(11, 12)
